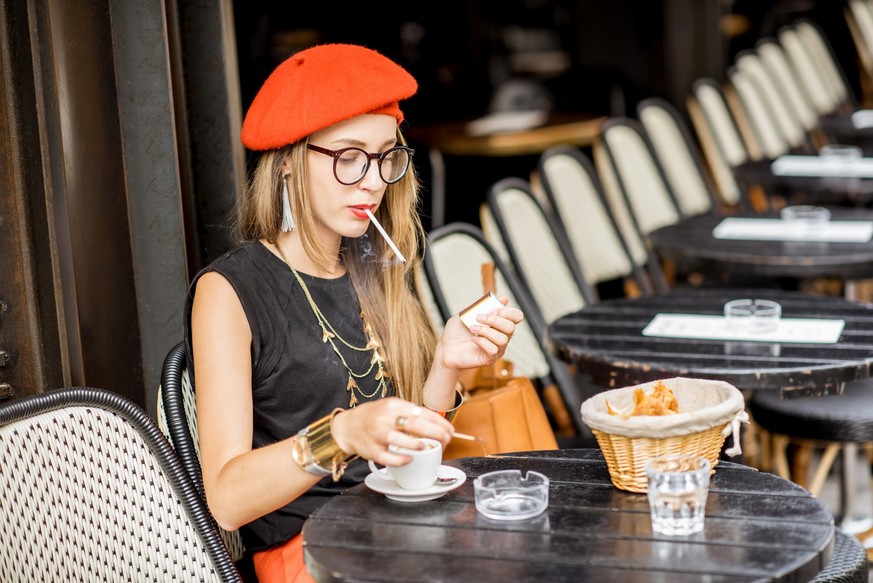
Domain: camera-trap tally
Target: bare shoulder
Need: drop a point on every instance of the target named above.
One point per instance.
(217, 309)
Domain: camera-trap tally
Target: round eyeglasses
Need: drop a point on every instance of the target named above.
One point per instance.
(351, 164)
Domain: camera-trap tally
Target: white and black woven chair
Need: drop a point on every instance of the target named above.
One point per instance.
(91, 491)
(848, 564)
(575, 196)
(177, 417)
(453, 262)
(537, 249)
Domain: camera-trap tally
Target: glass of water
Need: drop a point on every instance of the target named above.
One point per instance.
(678, 486)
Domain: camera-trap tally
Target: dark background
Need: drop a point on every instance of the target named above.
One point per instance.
(591, 56)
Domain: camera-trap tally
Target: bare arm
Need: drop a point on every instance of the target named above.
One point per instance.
(241, 484)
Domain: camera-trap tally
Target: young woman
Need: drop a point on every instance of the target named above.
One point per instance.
(311, 352)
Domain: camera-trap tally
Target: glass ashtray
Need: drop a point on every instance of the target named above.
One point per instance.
(505, 495)
(841, 152)
(752, 315)
(808, 214)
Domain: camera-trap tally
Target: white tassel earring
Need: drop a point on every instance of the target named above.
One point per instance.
(287, 217)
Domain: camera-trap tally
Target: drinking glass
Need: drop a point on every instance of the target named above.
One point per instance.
(677, 490)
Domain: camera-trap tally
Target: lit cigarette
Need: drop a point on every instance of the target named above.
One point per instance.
(387, 238)
(465, 436)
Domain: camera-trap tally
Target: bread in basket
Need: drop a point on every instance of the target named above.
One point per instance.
(708, 412)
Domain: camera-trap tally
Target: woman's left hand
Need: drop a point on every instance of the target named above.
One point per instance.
(485, 342)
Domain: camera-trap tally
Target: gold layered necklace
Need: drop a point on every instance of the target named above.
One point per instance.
(330, 336)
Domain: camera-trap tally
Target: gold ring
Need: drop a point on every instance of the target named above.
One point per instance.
(400, 423)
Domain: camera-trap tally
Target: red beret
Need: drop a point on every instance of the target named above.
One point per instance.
(319, 87)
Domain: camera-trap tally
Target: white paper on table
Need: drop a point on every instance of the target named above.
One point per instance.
(507, 121)
(738, 228)
(863, 118)
(823, 166)
(696, 326)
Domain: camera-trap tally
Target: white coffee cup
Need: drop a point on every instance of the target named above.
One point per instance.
(418, 474)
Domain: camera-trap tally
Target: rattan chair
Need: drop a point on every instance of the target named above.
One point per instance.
(678, 155)
(576, 197)
(453, 262)
(776, 63)
(752, 107)
(832, 423)
(859, 18)
(820, 50)
(537, 249)
(719, 135)
(815, 67)
(177, 416)
(91, 491)
(631, 175)
(633, 178)
(848, 564)
(782, 114)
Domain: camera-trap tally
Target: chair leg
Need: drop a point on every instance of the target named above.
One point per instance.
(824, 468)
(780, 459)
(765, 448)
(800, 462)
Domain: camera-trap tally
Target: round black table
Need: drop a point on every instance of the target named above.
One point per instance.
(606, 339)
(692, 245)
(806, 189)
(758, 527)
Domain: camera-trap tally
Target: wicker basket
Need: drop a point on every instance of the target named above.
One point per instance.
(709, 411)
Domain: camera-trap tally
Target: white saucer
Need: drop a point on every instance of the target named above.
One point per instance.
(394, 492)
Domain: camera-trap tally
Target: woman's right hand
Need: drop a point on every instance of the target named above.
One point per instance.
(374, 430)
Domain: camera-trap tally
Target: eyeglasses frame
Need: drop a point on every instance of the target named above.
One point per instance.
(335, 154)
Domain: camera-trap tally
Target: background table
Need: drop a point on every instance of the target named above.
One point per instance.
(453, 139)
(758, 527)
(691, 244)
(805, 189)
(606, 339)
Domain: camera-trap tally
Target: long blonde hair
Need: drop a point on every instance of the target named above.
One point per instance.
(394, 312)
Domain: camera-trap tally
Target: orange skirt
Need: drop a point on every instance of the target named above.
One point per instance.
(282, 564)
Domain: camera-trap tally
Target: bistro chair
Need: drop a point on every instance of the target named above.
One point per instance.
(719, 136)
(425, 296)
(835, 423)
(177, 405)
(775, 61)
(678, 155)
(575, 195)
(631, 174)
(752, 107)
(633, 178)
(859, 18)
(537, 250)
(786, 123)
(453, 262)
(492, 235)
(809, 55)
(93, 492)
(848, 564)
(822, 53)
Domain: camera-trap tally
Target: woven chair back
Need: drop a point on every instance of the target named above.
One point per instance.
(93, 492)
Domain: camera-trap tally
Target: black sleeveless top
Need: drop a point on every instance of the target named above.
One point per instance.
(296, 378)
